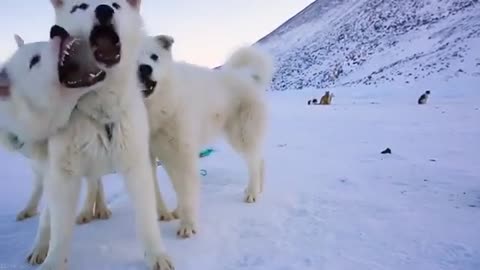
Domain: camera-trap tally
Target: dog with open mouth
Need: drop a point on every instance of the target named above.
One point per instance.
(228, 101)
(41, 83)
(107, 133)
(76, 73)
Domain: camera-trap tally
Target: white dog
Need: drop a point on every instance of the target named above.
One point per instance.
(38, 89)
(36, 152)
(108, 132)
(189, 106)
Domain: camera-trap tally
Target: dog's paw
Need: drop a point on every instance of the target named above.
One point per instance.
(251, 197)
(26, 213)
(103, 213)
(85, 217)
(160, 262)
(38, 255)
(186, 230)
(165, 215)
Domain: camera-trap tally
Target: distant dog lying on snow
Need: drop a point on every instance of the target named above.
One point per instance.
(424, 98)
(326, 98)
(36, 56)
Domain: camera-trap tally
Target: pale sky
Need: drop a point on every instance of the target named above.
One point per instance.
(205, 31)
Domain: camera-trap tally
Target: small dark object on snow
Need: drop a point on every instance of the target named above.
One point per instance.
(424, 97)
(386, 151)
(312, 101)
(433, 160)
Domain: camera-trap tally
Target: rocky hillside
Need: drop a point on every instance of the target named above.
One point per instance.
(350, 42)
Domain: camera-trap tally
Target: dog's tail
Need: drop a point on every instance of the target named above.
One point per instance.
(255, 62)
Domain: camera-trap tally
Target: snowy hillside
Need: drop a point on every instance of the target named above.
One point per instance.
(353, 42)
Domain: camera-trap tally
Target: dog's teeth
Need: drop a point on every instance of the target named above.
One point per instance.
(92, 75)
(117, 56)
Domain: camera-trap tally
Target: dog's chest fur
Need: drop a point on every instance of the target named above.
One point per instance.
(106, 129)
(104, 106)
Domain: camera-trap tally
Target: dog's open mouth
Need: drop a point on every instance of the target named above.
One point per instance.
(106, 45)
(148, 84)
(76, 67)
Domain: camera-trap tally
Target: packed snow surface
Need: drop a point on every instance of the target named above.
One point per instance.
(331, 200)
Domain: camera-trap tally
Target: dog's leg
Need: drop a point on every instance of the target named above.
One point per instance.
(262, 175)
(139, 184)
(62, 192)
(162, 211)
(32, 205)
(255, 170)
(183, 173)
(86, 214)
(101, 209)
(245, 135)
(42, 239)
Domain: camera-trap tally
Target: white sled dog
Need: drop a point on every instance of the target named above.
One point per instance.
(108, 132)
(38, 90)
(36, 151)
(189, 106)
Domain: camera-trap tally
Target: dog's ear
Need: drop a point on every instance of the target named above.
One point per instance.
(19, 40)
(57, 3)
(165, 41)
(4, 85)
(134, 3)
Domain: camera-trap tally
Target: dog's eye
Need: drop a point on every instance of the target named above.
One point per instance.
(82, 6)
(116, 5)
(35, 60)
(154, 57)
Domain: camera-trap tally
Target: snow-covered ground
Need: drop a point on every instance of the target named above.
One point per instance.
(332, 201)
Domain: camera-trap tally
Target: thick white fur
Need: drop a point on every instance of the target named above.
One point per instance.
(83, 149)
(193, 105)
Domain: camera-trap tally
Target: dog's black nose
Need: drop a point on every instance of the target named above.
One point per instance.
(145, 70)
(104, 14)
